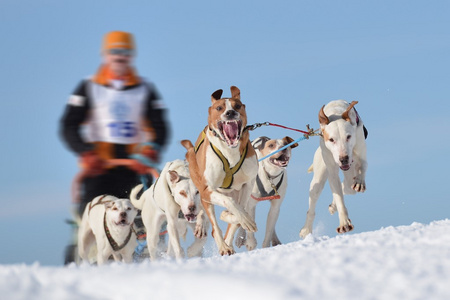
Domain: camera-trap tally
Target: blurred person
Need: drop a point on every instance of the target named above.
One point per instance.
(113, 115)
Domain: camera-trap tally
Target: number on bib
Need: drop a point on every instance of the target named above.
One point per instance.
(123, 129)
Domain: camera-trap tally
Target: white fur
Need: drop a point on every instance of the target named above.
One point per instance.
(343, 139)
(92, 229)
(172, 192)
(270, 174)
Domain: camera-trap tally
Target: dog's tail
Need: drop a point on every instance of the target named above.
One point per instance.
(134, 199)
(310, 169)
(193, 166)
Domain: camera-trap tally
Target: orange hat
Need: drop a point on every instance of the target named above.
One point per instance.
(118, 39)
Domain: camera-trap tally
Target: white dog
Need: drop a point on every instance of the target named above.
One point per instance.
(342, 146)
(271, 185)
(108, 221)
(173, 192)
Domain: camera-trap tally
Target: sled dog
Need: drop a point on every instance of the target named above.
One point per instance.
(271, 185)
(107, 221)
(223, 166)
(342, 146)
(173, 193)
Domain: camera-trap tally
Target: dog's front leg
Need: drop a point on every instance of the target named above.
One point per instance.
(174, 238)
(272, 218)
(224, 249)
(104, 251)
(345, 224)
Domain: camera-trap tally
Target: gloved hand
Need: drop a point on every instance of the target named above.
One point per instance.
(137, 167)
(151, 153)
(92, 163)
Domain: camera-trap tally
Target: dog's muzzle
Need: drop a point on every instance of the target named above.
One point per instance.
(230, 131)
(280, 161)
(123, 220)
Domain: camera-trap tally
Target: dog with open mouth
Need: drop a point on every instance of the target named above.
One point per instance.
(342, 147)
(171, 195)
(271, 185)
(107, 221)
(224, 166)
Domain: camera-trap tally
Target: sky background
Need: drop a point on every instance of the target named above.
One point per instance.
(288, 58)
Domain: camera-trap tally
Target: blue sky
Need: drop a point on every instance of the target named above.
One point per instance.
(288, 58)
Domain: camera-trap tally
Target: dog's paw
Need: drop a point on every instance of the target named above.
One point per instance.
(226, 250)
(345, 226)
(200, 231)
(332, 208)
(240, 238)
(304, 232)
(251, 243)
(359, 185)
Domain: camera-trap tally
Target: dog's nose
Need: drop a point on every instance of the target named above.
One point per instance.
(191, 208)
(123, 214)
(344, 160)
(230, 114)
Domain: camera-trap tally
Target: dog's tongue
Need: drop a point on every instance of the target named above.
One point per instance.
(231, 130)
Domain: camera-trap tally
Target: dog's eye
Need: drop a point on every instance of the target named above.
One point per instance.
(271, 145)
(331, 140)
(129, 208)
(114, 208)
(237, 106)
(349, 137)
(197, 192)
(219, 108)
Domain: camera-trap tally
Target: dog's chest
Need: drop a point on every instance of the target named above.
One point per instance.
(229, 171)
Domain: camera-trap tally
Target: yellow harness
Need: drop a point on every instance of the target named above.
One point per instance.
(229, 172)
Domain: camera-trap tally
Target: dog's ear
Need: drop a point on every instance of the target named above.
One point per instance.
(260, 142)
(289, 140)
(235, 92)
(174, 177)
(216, 95)
(323, 119)
(345, 115)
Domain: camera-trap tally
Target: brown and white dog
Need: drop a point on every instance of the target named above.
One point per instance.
(107, 221)
(224, 166)
(271, 185)
(171, 193)
(342, 146)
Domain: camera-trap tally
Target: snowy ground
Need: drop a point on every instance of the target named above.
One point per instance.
(406, 262)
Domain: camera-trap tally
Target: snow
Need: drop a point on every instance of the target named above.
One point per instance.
(405, 262)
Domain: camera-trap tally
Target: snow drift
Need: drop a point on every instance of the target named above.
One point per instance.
(405, 262)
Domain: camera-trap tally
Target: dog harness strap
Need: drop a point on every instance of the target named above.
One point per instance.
(100, 201)
(111, 241)
(201, 141)
(274, 190)
(229, 172)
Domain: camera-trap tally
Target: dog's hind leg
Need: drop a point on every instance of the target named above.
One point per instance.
(315, 189)
(229, 234)
(241, 238)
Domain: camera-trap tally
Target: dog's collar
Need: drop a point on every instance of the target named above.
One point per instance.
(273, 194)
(111, 241)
